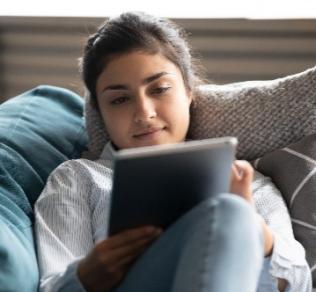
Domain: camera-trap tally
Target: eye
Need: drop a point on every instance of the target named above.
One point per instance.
(119, 100)
(160, 90)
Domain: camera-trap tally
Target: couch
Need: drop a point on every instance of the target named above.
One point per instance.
(43, 127)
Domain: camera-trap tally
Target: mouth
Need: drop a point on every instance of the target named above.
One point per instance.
(149, 134)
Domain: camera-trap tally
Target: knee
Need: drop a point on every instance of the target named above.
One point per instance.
(232, 205)
(230, 216)
(236, 219)
(227, 215)
(233, 210)
(227, 205)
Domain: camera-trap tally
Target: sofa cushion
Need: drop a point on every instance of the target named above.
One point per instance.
(263, 115)
(38, 130)
(293, 170)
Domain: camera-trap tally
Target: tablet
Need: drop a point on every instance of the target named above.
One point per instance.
(155, 185)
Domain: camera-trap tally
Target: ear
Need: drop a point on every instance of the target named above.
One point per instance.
(190, 96)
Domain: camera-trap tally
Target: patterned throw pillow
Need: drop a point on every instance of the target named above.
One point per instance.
(293, 170)
(263, 115)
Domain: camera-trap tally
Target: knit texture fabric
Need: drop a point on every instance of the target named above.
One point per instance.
(263, 115)
(97, 134)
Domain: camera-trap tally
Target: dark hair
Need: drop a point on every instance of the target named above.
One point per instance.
(137, 31)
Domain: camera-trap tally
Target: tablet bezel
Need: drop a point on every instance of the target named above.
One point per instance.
(127, 200)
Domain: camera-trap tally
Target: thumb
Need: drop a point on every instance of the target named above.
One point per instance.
(244, 170)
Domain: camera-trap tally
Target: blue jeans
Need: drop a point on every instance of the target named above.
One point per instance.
(217, 246)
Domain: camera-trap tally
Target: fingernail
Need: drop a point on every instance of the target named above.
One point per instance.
(158, 231)
(239, 167)
(150, 229)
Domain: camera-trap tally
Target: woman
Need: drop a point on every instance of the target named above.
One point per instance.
(141, 79)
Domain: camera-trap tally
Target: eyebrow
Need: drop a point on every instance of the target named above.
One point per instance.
(144, 81)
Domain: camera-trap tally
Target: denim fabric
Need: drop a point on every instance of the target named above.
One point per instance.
(217, 246)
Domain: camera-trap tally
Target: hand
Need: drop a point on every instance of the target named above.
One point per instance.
(105, 266)
(241, 179)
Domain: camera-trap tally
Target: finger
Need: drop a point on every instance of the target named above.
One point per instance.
(131, 235)
(239, 167)
(130, 259)
(234, 173)
(122, 269)
(131, 249)
(119, 253)
(127, 260)
(244, 169)
(123, 265)
(127, 266)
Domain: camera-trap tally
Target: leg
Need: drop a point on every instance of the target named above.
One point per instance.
(225, 251)
(217, 246)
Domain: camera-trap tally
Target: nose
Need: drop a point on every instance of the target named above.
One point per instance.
(145, 110)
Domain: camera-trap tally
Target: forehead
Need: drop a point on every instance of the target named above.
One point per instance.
(135, 66)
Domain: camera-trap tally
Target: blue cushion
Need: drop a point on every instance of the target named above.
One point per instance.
(38, 130)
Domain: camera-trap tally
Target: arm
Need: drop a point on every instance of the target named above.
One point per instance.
(68, 218)
(63, 229)
(287, 259)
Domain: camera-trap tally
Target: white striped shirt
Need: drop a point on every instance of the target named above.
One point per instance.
(72, 214)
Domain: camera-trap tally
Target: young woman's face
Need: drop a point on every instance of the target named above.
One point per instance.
(143, 100)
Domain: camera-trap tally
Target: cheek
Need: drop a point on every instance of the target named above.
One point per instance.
(116, 122)
(180, 110)
(109, 121)
(177, 116)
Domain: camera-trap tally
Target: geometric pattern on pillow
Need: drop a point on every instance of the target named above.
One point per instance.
(263, 115)
(293, 170)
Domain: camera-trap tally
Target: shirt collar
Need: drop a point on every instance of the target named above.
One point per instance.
(108, 152)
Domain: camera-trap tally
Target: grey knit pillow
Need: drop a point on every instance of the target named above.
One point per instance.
(264, 115)
(293, 170)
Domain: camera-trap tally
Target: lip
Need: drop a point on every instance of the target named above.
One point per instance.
(149, 133)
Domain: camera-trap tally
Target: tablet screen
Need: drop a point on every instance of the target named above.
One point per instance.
(155, 185)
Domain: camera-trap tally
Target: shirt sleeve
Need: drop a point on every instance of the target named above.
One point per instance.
(63, 229)
(66, 281)
(288, 256)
